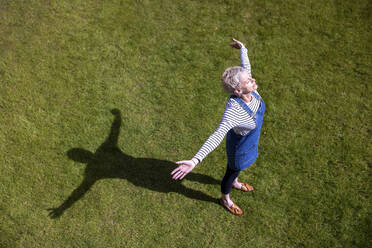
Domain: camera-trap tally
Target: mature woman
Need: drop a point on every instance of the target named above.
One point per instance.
(242, 122)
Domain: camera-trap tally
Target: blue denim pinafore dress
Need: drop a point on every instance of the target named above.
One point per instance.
(242, 151)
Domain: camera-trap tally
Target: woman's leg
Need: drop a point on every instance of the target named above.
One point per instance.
(236, 184)
(226, 184)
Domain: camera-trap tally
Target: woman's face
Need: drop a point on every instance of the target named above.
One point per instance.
(247, 84)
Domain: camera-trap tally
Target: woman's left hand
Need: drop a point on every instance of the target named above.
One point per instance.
(236, 44)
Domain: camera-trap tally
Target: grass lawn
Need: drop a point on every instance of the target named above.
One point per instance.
(99, 98)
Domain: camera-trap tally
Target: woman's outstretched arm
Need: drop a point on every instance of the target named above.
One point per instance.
(228, 121)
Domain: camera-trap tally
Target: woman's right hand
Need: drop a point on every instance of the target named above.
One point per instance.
(185, 167)
(236, 44)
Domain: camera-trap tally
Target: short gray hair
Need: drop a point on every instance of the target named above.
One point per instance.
(231, 78)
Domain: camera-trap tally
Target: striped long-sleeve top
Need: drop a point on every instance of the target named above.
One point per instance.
(234, 117)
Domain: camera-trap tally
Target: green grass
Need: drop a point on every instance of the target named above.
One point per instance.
(64, 65)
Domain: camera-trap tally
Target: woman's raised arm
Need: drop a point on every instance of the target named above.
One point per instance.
(243, 55)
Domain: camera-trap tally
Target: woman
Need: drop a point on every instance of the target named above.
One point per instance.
(242, 122)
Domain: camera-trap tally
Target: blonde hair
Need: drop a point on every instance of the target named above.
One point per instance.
(231, 78)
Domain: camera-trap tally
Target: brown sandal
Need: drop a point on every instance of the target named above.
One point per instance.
(246, 187)
(234, 209)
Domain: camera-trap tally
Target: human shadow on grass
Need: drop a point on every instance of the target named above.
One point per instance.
(109, 161)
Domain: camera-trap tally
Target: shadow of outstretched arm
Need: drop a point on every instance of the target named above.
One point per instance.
(75, 196)
(112, 139)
